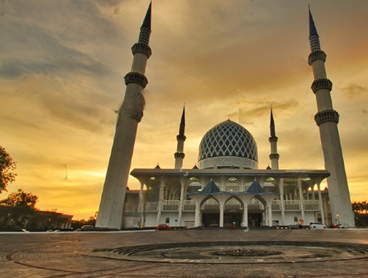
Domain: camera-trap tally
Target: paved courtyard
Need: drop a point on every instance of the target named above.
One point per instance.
(306, 253)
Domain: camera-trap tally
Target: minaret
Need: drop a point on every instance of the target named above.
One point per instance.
(179, 154)
(110, 213)
(327, 119)
(274, 156)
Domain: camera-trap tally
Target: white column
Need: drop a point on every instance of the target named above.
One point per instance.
(265, 217)
(321, 203)
(222, 215)
(141, 205)
(181, 202)
(241, 186)
(269, 208)
(282, 202)
(160, 201)
(245, 216)
(197, 212)
(307, 193)
(301, 198)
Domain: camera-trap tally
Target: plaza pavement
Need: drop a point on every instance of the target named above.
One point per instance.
(73, 254)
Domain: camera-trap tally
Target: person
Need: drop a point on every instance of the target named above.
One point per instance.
(203, 227)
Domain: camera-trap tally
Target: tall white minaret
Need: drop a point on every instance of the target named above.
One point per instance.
(179, 154)
(110, 213)
(274, 156)
(327, 119)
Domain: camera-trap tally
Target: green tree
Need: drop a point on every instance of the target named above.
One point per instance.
(7, 166)
(17, 210)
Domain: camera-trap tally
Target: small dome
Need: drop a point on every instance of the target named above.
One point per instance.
(228, 145)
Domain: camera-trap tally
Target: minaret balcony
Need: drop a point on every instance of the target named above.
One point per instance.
(181, 137)
(326, 116)
(317, 55)
(319, 84)
(273, 139)
(142, 48)
(136, 77)
(274, 156)
(179, 155)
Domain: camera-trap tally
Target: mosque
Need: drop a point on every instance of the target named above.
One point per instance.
(225, 188)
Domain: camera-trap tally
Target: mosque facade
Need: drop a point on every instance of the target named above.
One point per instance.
(226, 188)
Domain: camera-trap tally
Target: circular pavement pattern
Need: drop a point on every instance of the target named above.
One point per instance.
(216, 252)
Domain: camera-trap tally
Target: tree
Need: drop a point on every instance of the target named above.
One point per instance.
(21, 199)
(7, 166)
(17, 210)
(79, 223)
(364, 207)
(361, 213)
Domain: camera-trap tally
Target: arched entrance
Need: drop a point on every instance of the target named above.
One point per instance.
(256, 210)
(232, 213)
(210, 212)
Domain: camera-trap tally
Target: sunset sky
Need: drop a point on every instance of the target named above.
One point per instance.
(62, 67)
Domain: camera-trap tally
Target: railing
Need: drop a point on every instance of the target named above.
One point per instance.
(292, 205)
(151, 206)
(170, 205)
(311, 205)
(276, 205)
(233, 206)
(130, 207)
(189, 205)
(210, 207)
(255, 207)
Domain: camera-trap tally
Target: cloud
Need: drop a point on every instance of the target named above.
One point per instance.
(354, 91)
(61, 40)
(250, 111)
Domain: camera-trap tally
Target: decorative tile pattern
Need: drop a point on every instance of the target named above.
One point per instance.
(314, 43)
(144, 35)
(228, 139)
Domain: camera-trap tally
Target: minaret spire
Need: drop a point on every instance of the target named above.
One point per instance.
(327, 119)
(313, 35)
(274, 156)
(110, 214)
(272, 125)
(145, 33)
(182, 123)
(179, 154)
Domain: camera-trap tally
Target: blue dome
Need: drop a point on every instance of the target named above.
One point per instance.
(228, 145)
